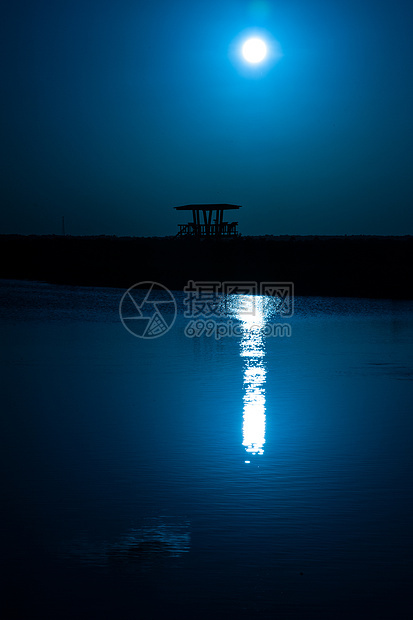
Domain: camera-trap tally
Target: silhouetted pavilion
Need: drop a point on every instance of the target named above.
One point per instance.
(213, 224)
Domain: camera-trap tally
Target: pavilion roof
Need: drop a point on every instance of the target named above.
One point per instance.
(207, 207)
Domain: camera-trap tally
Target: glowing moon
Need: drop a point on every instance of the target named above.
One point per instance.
(254, 50)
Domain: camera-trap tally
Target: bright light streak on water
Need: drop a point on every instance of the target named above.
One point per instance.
(252, 313)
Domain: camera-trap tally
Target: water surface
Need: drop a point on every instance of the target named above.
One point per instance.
(190, 477)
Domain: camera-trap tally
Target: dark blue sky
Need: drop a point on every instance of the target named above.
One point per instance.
(113, 112)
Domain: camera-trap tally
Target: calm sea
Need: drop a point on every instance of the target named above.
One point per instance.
(262, 471)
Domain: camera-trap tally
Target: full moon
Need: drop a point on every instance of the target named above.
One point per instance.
(254, 50)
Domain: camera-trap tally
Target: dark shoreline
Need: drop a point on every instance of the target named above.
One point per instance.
(341, 266)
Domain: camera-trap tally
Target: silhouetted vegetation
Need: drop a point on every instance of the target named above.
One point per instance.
(357, 266)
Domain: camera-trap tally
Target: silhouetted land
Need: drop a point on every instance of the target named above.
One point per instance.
(356, 266)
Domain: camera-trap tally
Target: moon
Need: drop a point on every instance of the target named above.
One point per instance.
(254, 50)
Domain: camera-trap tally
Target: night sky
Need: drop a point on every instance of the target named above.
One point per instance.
(115, 111)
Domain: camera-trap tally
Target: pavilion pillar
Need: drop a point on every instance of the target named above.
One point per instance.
(195, 213)
(205, 222)
(209, 221)
(218, 220)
